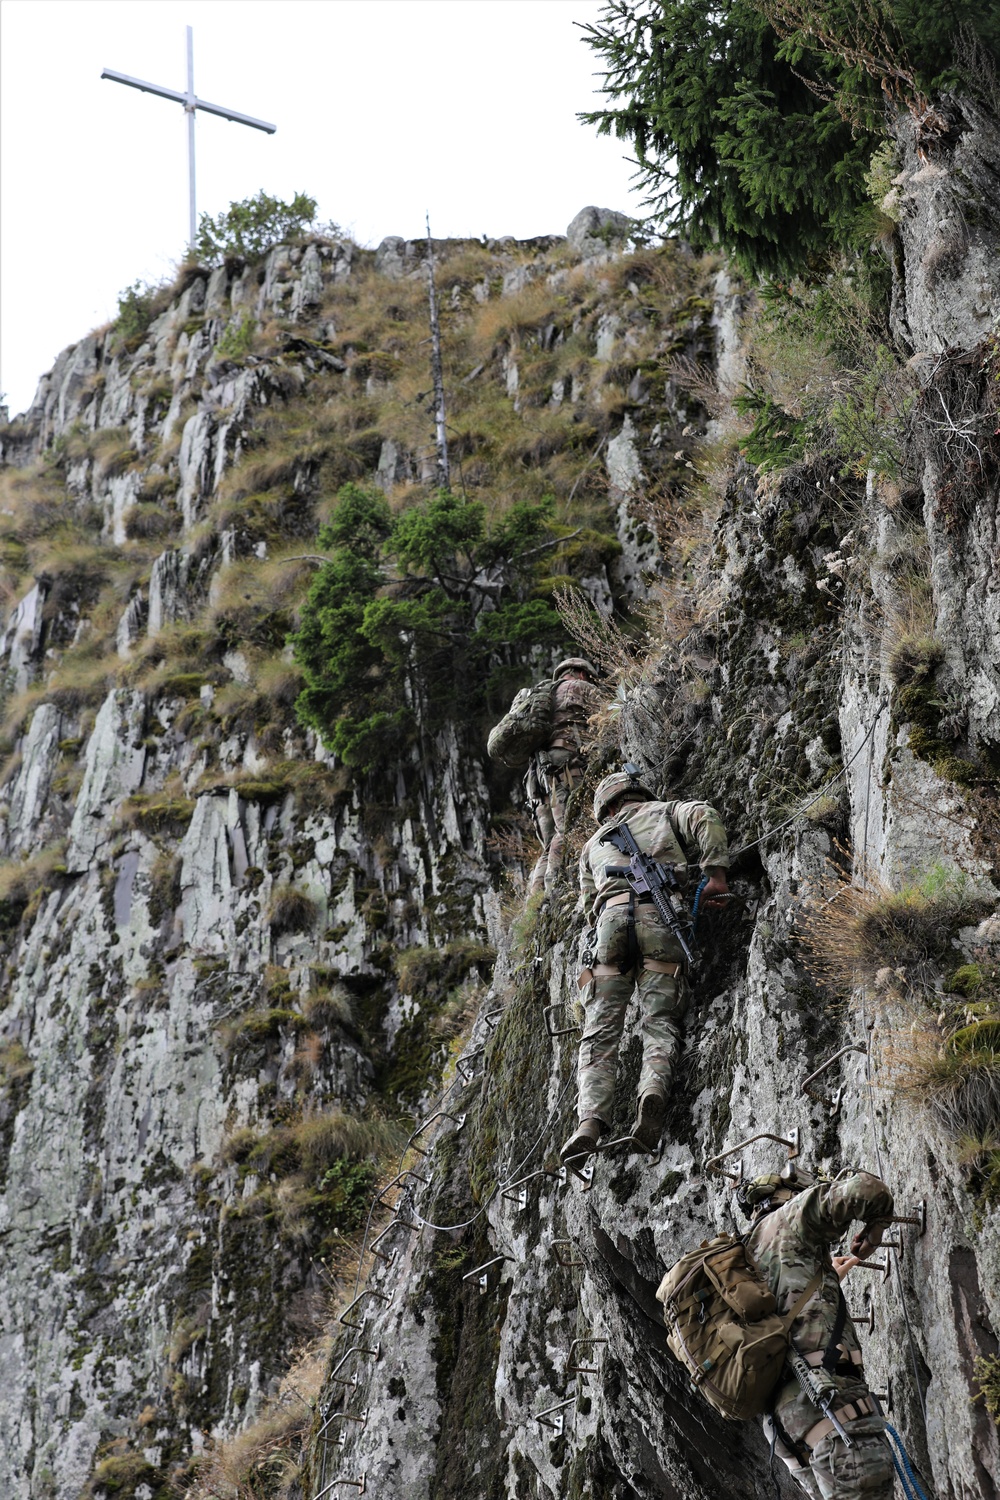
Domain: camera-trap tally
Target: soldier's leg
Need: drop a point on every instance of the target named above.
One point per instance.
(663, 1001)
(545, 828)
(561, 787)
(861, 1472)
(605, 1005)
(598, 1061)
(801, 1471)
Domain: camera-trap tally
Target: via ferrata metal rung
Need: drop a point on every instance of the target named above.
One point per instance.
(571, 1368)
(883, 1267)
(791, 1142)
(480, 1274)
(492, 1018)
(917, 1218)
(867, 1318)
(567, 1265)
(359, 1485)
(517, 1191)
(562, 1030)
(368, 1292)
(344, 1416)
(885, 1396)
(466, 1066)
(554, 1416)
(393, 1224)
(380, 1195)
(832, 1101)
(439, 1114)
(354, 1349)
(603, 1147)
(584, 1174)
(362, 1422)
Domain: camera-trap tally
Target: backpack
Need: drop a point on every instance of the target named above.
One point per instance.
(723, 1326)
(524, 728)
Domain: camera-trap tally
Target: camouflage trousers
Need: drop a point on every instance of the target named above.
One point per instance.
(562, 775)
(835, 1472)
(606, 998)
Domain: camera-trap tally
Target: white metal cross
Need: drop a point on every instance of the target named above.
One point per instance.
(190, 103)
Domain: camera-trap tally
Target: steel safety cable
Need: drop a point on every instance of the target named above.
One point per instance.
(822, 792)
(498, 1187)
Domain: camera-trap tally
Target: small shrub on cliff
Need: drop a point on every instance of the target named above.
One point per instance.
(987, 1373)
(238, 339)
(136, 310)
(250, 227)
(291, 910)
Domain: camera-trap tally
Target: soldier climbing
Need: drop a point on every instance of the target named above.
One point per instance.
(546, 728)
(633, 946)
(842, 1455)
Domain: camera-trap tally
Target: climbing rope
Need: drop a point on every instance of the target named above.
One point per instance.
(694, 905)
(904, 1468)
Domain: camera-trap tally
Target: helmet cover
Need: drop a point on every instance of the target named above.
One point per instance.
(575, 664)
(615, 786)
(770, 1191)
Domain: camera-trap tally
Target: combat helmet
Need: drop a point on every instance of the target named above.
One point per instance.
(617, 785)
(762, 1194)
(575, 664)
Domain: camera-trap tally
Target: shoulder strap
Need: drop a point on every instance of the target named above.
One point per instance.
(800, 1302)
(831, 1353)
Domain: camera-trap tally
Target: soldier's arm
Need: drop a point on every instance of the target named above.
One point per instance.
(700, 824)
(828, 1210)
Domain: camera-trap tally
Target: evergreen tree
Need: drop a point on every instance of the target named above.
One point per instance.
(428, 603)
(754, 123)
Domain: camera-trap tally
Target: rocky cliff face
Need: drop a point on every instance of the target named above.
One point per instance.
(231, 966)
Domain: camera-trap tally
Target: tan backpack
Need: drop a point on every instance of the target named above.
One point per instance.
(524, 728)
(723, 1326)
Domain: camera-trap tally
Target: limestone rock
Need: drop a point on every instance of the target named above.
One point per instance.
(39, 758)
(598, 231)
(167, 590)
(116, 759)
(951, 250)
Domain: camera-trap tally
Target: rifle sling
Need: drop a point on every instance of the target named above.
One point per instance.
(800, 1302)
(831, 1354)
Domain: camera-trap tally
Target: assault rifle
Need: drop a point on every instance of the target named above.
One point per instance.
(648, 877)
(817, 1391)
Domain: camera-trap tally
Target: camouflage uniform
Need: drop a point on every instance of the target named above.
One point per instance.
(791, 1245)
(561, 765)
(661, 829)
(545, 827)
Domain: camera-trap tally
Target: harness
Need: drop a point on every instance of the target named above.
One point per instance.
(837, 1361)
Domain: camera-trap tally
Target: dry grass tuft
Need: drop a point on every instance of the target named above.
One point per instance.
(619, 652)
(857, 934)
(264, 1461)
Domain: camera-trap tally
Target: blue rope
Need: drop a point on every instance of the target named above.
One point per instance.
(908, 1478)
(694, 909)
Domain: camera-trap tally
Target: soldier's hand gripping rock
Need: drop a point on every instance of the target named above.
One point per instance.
(794, 1226)
(633, 949)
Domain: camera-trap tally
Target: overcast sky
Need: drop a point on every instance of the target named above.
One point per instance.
(384, 108)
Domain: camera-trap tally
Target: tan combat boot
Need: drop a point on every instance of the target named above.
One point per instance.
(649, 1119)
(582, 1142)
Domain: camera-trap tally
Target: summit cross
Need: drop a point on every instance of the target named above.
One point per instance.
(191, 103)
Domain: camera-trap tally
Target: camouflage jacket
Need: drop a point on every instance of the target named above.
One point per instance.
(790, 1246)
(661, 829)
